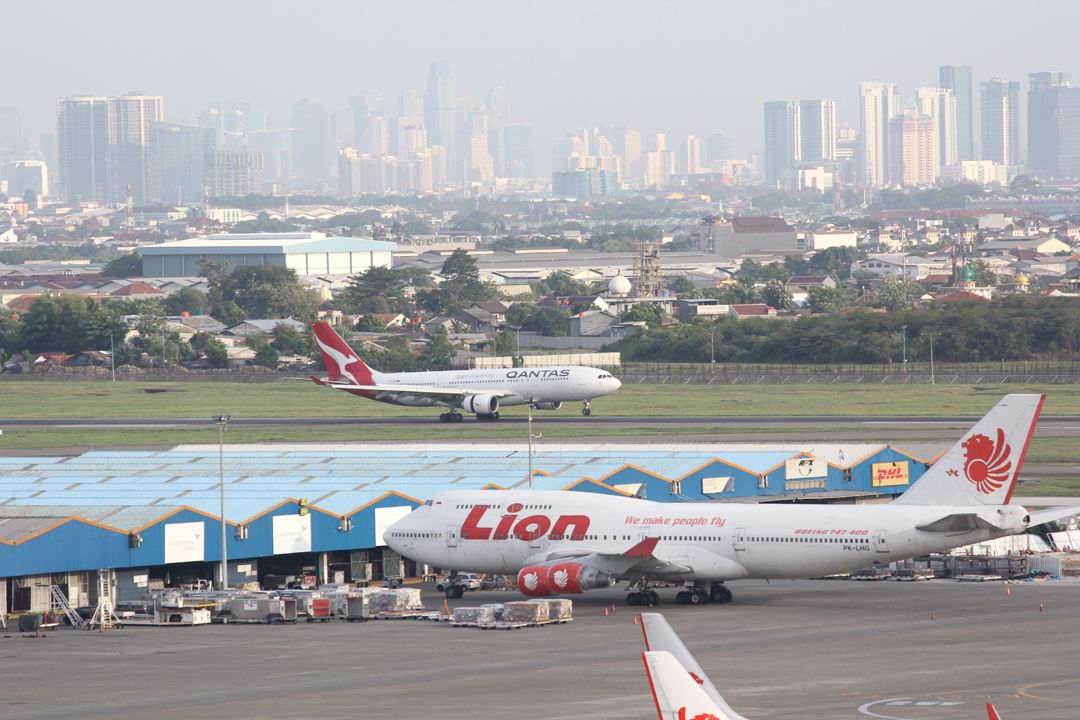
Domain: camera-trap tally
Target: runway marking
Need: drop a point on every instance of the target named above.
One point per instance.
(864, 709)
(1023, 690)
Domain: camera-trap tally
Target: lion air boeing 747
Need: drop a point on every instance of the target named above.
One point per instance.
(568, 542)
(481, 392)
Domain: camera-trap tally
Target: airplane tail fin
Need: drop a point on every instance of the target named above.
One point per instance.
(981, 469)
(661, 638)
(992, 712)
(676, 694)
(341, 362)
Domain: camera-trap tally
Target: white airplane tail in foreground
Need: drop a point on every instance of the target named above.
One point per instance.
(680, 687)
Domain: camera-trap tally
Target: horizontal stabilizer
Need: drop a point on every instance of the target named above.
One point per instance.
(1052, 514)
(958, 523)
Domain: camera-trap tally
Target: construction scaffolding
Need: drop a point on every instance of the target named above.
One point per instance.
(647, 269)
(104, 615)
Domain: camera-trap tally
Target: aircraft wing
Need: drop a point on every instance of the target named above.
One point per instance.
(677, 694)
(1051, 514)
(661, 638)
(410, 390)
(638, 560)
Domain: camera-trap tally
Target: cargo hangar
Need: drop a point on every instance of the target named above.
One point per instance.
(154, 517)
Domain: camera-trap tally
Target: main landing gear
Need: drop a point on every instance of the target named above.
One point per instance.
(698, 594)
(452, 416)
(586, 411)
(642, 595)
(488, 416)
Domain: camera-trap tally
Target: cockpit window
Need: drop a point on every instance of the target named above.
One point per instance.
(428, 503)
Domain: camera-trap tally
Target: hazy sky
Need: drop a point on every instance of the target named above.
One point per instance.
(675, 66)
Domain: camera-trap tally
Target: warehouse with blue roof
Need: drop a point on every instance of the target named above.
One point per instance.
(154, 517)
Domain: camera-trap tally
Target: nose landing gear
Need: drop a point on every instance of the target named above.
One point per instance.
(586, 411)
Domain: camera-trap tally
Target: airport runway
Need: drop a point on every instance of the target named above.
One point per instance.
(802, 650)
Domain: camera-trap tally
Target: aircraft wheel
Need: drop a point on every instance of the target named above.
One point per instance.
(454, 592)
(633, 598)
(495, 416)
(720, 594)
(445, 417)
(682, 597)
(586, 412)
(697, 597)
(456, 417)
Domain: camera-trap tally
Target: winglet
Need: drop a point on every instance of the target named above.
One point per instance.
(644, 548)
(992, 712)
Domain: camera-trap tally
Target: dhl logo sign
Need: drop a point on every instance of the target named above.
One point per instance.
(889, 474)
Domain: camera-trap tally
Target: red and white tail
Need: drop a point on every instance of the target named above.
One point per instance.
(677, 695)
(992, 712)
(341, 362)
(981, 469)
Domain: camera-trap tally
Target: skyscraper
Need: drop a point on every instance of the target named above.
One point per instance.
(520, 155)
(132, 118)
(940, 105)
(692, 155)
(440, 106)
(718, 147)
(82, 130)
(783, 138)
(914, 150)
(10, 132)
(817, 130)
(958, 79)
(311, 145)
(178, 158)
(1053, 126)
(1001, 122)
(878, 103)
(363, 108)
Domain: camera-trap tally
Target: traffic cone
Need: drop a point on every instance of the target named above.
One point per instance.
(635, 619)
(445, 609)
(1008, 591)
(605, 611)
(933, 615)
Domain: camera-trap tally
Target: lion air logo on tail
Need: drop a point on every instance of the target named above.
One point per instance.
(986, 461)
(683, 715)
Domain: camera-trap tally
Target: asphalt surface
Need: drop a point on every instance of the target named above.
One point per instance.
(803, 650)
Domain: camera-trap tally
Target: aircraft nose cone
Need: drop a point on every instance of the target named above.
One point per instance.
(617, 382)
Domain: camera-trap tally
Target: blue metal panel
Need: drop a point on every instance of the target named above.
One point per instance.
(73, 546)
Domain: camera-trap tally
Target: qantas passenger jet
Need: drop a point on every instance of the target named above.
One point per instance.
(568, 542)
(481, 392)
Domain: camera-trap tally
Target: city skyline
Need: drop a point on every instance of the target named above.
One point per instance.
(555, 85)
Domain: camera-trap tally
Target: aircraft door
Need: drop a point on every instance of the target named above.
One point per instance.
(740, 538)
(451, 536)
(881, 541)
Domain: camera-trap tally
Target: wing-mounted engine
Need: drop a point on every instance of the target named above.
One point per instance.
(562, 578)
(547, 405)
(481, 404)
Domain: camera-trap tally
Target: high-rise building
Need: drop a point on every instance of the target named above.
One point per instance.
(234, 173)
(363, 108)
(440, 106)
(28, 176)
(692, 155)
(1001, 122)
(132, 118)
(82, 129)
(783, 138)
(718, 148)
(411, 104)
(940, 104)
(520, 154)
(626, 144)
(878, 103)
(914, 150)
(1053, 126)
(958, 79)
(311, 144)
(817, 130)
(10, 131)
(178, 158)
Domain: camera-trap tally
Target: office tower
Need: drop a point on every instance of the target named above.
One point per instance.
(718, 148)
(410, 137)
(783, 139)
(28, 176)
(940, 104)
(817, 130)
(10, 132)
(692, 155)
(1053, 126)
(1001, 122)
(178, 158)
(311, 144)
(234, 173)
(411, 104)
(132, 118)
(363, 108)
(82, 130)
(914, 150)
(440, 106)
(520, 153)
(958, 79)
(275, 146)
(626, 144)
(878, 103)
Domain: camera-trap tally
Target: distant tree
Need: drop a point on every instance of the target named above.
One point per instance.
(897, 293)
(288, 340)
(506, 343)
(187, 300)
(548, 321)
(370, 323)
(438, 353)
(834, 261)
(105, 327)
(57, 323)
(373, 290)
(266, 356)
(125, 266)
(776, 295)
(10, 334)
(643, 312)
(561, 284)
(260, 291)
(823, 299)
(263, 223)
(682, 286)
(217, 355)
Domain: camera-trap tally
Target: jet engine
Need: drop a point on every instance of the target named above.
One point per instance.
(565, 578)
(548, 405)
(481, 404)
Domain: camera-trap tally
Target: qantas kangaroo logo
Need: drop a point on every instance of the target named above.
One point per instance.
(528, 528)
(343, 361)
(986, 462)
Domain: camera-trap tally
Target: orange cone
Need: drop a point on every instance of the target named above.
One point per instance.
(605, 612)
(635, 619)
(1008, 591)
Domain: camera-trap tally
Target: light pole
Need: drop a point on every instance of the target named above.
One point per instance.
(112, 356)
(932, 359)
(903, 330)
(531, 437)
(712, 344)
(222, 422)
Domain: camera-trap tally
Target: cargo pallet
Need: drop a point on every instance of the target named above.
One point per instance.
(509, 625)
(402, 615)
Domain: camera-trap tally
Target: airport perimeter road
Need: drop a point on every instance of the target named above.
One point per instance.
(804, 650)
